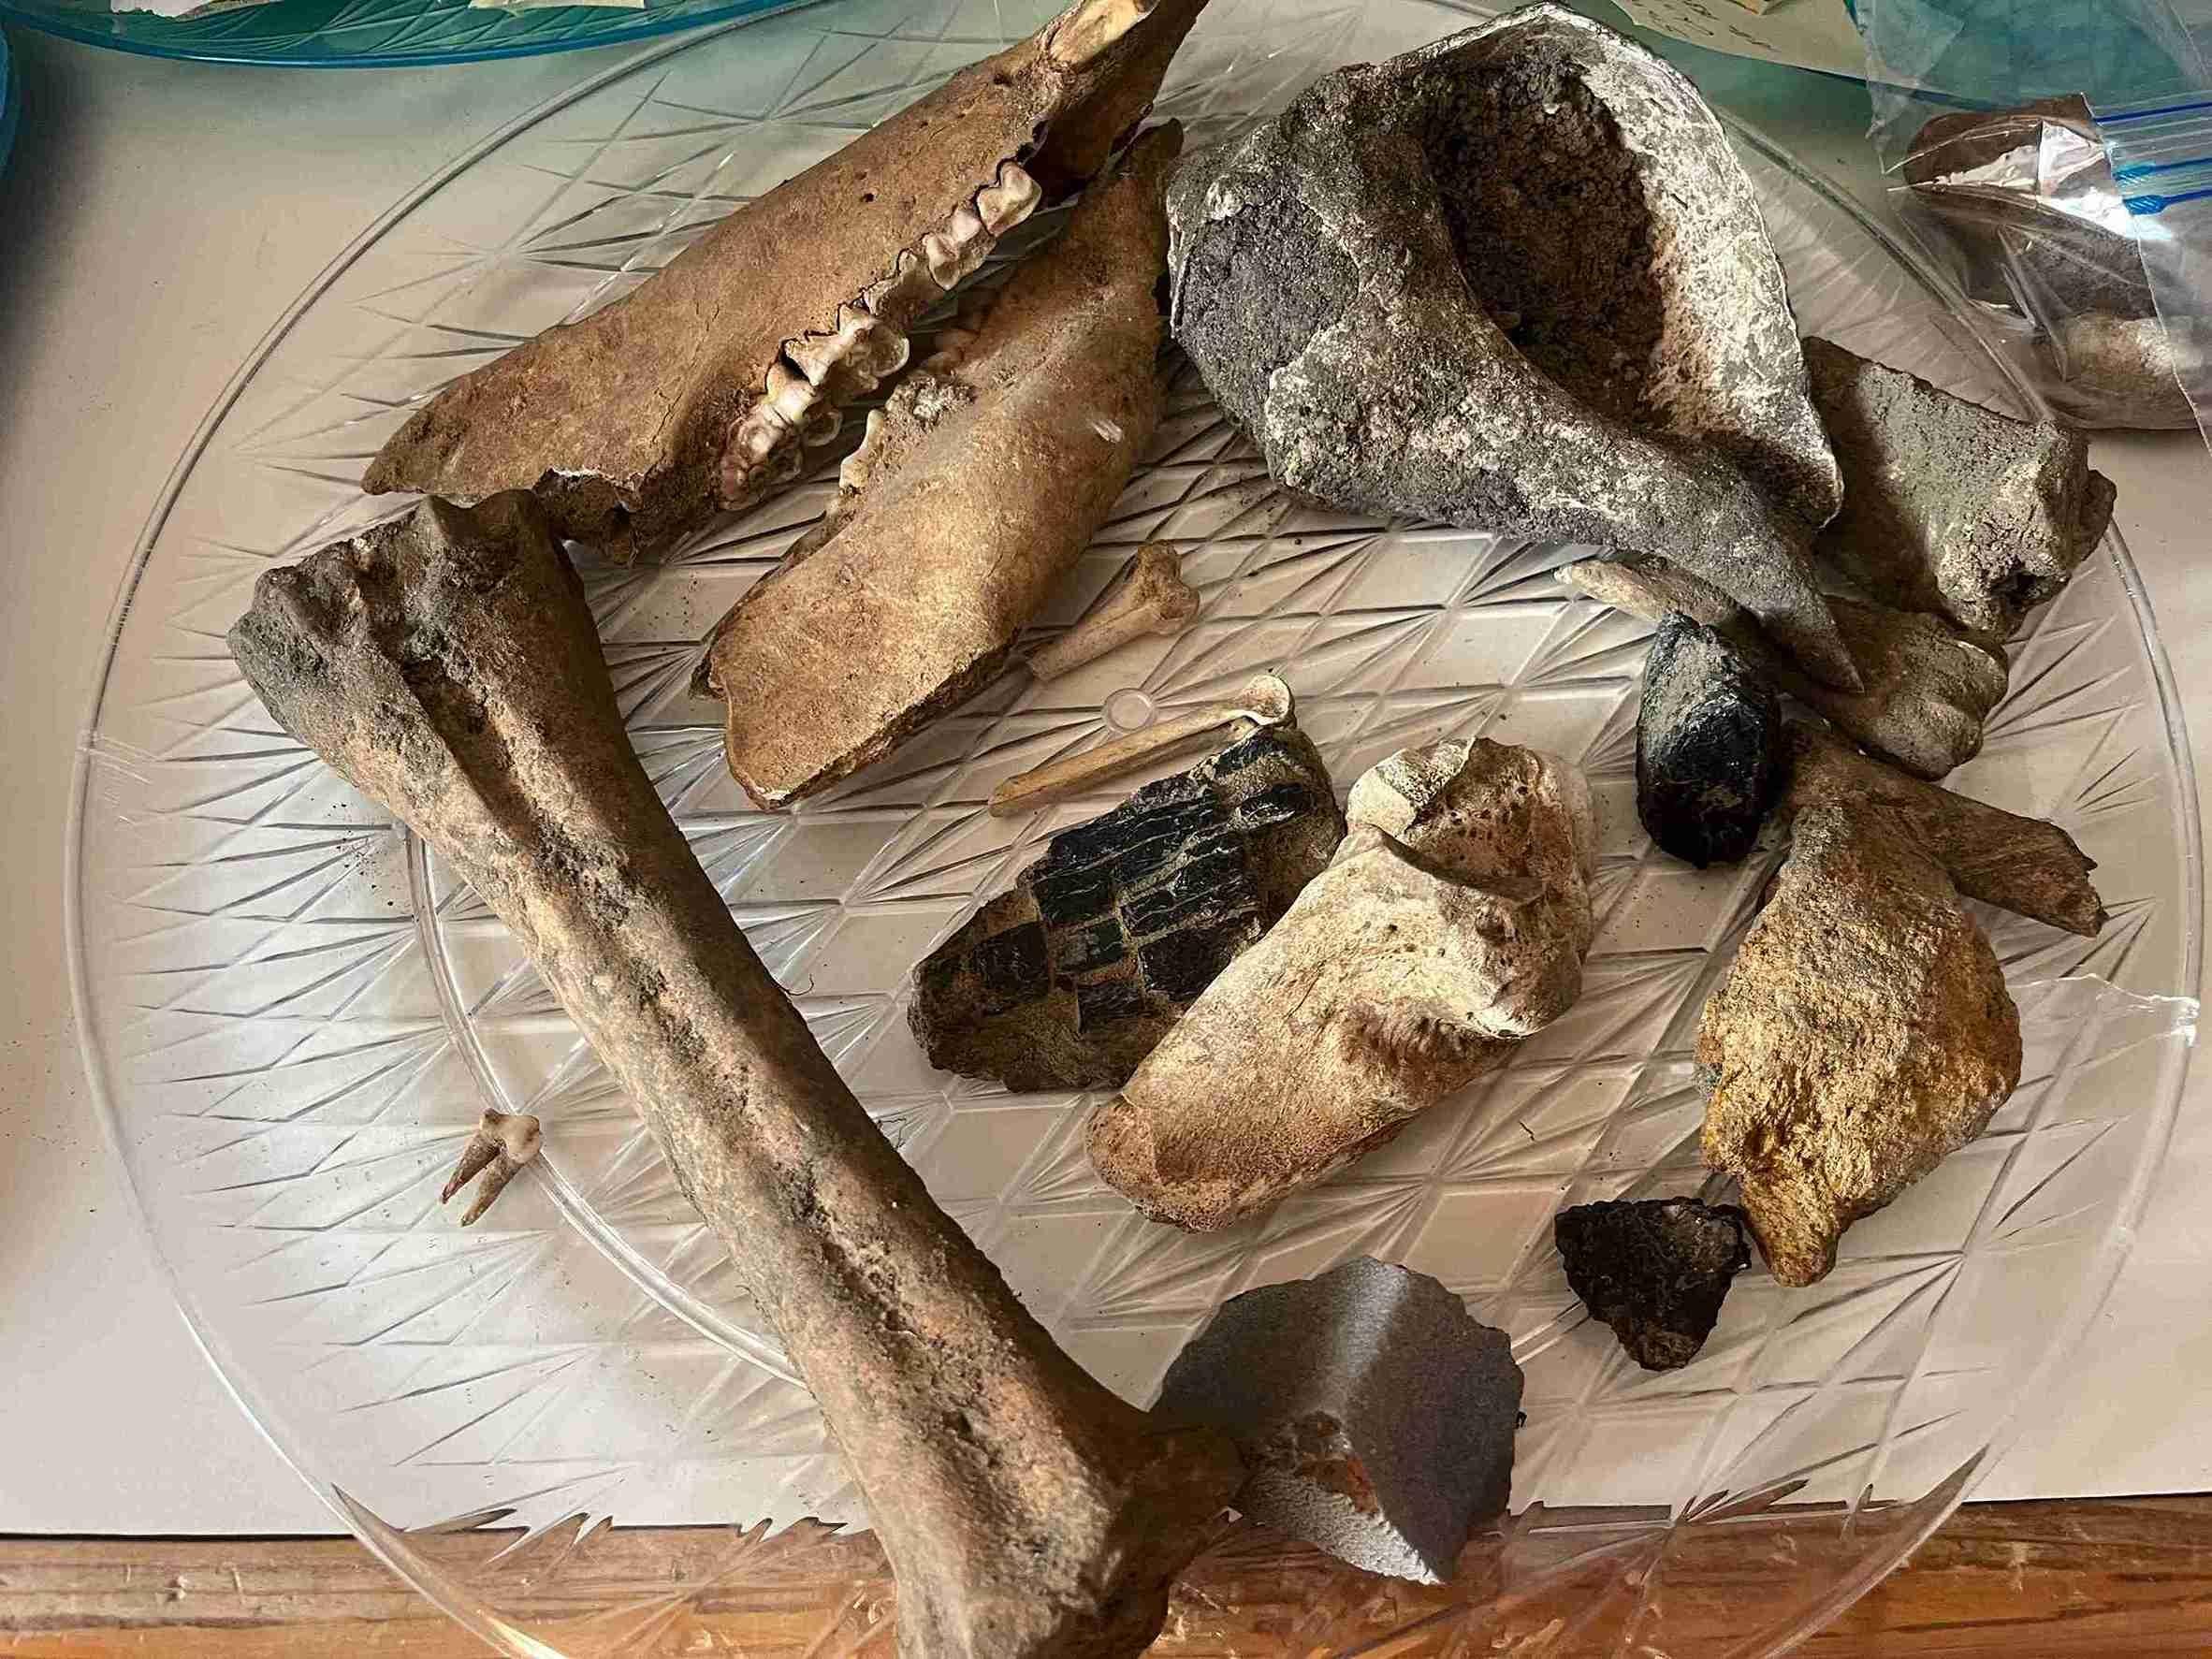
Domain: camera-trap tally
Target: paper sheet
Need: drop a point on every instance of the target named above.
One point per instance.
(1809, 34)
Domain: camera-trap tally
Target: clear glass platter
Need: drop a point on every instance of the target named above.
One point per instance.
(293, 1015)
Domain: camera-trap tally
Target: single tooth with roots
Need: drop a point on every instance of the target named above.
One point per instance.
(634, 424)
(1011, 199)
(444, 663)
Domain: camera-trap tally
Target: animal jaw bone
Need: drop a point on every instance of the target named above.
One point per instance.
(446, 665)
(978, 486)
(706, 382)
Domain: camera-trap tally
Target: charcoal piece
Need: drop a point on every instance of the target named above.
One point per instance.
(1708, 746)
(1948, 506)
(1375, 1414)
(1070, 978)
(1655, 1270)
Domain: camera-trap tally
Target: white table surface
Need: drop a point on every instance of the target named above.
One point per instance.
(155, 220)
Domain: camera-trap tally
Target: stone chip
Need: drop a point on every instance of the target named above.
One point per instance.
(1375, 1414)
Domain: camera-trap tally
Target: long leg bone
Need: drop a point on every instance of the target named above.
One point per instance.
(709, 377)
(446, 665)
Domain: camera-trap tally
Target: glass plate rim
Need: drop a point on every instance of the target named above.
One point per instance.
(457, 1601)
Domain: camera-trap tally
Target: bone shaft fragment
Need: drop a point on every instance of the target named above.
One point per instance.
(465, 690)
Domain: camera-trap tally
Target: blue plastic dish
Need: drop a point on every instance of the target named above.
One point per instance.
(8, 102)
(367, 34)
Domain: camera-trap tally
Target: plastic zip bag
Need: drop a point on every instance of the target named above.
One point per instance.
(2056, 159)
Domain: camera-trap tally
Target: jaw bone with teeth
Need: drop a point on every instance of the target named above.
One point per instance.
(703, 386)
(980, 484)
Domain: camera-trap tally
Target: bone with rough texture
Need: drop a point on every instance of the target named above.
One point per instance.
(979, 485)
(1068, 981)
(1949, 506)
(2022, 865)
(704, 383)
(1929, 685)
(446, 665)
(2126, 371)
(502, 1144)
(1451, 922)
(1263, 701)
(1862, 1035)
(1152, 599)
(1517, 280)
(1375, 1414)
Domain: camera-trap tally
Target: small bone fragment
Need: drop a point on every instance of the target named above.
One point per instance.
(1068, 981)
(1451, 922)
(1376, 1415)
(632, 424)
(1655, 1270)
(1708, 746)
(1264, 701)
(446, 665)
(502, 1144)
(2022, 865)
(1152, 599)
(1948, 506)
(1929, 684)
(979, 485)
(2125, 371)
(1517, 280)
(1862, 1034)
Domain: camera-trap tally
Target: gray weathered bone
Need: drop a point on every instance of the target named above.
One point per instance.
(1375, 1414)
(1517, 280)
(1929, 684)
(446, 665)
(1949, 506)
(703, 381)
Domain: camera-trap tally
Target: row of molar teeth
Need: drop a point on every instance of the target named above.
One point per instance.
(817, 371)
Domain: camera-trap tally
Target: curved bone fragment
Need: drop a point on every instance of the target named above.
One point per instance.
(979, 485)
(2022, 865)
(1451, 923)
(446, 665)
(1928, 685)
(630, 424)
(1517, 280)
(1862, 1035)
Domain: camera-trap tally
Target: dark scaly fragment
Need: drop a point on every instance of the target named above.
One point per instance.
(1068, 980)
